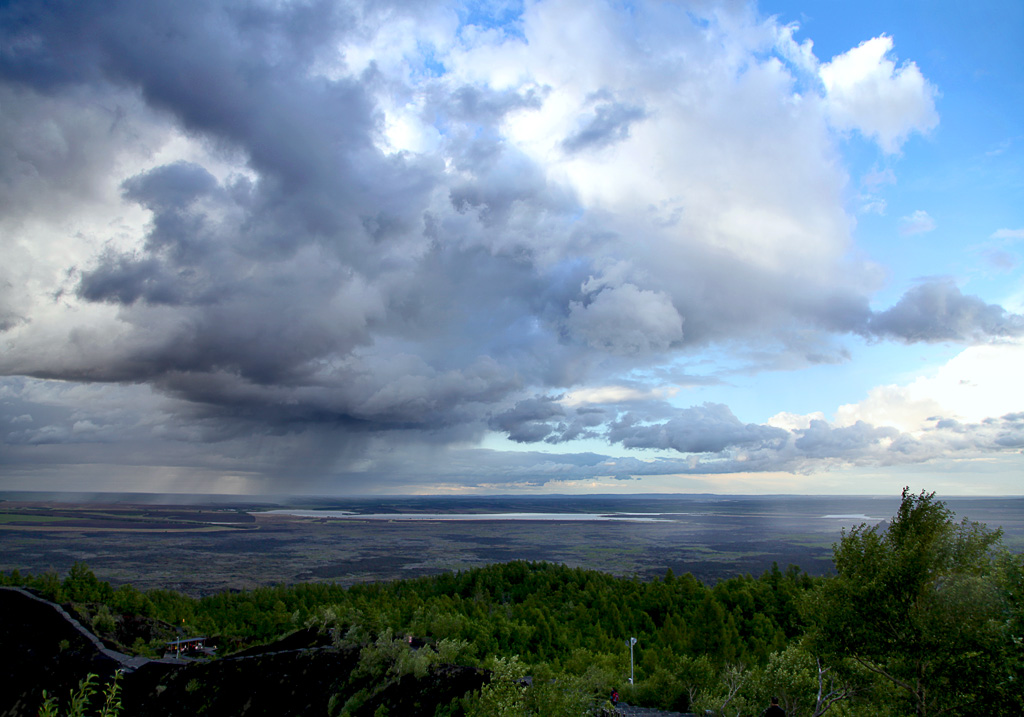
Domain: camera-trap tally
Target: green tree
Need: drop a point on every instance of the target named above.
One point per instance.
(724, 697)
(505, 694)
(805, 685)
(697, 675)
(81, 585)
(709, 636)
(917, 603)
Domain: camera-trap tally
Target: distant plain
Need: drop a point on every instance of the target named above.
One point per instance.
(204, 544)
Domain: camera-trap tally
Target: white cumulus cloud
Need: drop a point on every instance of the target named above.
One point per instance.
(979, 383)
(866, 91)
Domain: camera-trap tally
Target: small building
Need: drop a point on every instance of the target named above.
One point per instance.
(190, 647)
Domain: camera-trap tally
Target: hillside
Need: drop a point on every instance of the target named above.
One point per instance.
(43, 648)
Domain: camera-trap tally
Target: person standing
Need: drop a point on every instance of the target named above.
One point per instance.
(774, 710)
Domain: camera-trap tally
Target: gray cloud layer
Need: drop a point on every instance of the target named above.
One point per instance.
(329, 288)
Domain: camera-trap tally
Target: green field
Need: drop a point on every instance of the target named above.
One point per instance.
(22, 518)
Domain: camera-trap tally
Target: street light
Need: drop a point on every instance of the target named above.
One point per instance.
(632, 641)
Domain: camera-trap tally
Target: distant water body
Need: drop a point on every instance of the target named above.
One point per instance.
(743, 514)
(739, 514)
(349, 515)
(559, 517)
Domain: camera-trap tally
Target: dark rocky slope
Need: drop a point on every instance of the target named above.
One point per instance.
(43, 648)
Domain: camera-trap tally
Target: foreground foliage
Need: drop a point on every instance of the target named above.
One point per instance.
(926, 605)
(924, 616)
(87, 700)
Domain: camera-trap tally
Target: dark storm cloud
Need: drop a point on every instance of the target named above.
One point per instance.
(485, 106)
(528, 420)
(182, 249)
(238, 74)
(500, 182)
(583, 423)
(170, 187)
(821, 440)
(125, 280)
(938, 311)
(544, 418)
(9, 318)
(711, 428)
(608, 125)
(935, 310)
(1010, 430)
(256, 305)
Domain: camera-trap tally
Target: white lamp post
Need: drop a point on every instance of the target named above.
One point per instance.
(632, 641)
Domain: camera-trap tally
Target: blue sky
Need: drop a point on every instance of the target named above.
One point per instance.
(558, 246)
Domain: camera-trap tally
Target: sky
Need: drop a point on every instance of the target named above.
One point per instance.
(502, 247)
